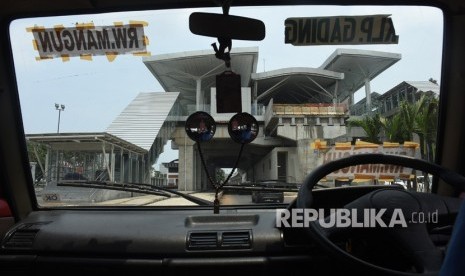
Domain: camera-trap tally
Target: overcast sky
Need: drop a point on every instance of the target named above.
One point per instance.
(87, 87)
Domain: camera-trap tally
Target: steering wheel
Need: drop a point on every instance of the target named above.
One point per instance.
(414, 239)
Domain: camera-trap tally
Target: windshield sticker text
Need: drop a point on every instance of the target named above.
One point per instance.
(340, 30)
(87, 40)
(368, 171)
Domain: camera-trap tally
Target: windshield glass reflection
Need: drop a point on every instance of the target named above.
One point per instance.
(127, 116)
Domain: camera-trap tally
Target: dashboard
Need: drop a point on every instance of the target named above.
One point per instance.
(174, 240)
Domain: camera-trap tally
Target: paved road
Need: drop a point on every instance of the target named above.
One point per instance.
(151, 200)
(154, 200)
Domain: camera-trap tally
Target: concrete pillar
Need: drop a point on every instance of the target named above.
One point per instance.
(186, 161)
(112, 163)
(351, 102)
(307, 159)
(254, 97)
(138, 177)
(57, 165)
(121, 165)
(336, 88)
(47, 165)
(186, 167)
(130, 167)
(368, 95)
(199, 96)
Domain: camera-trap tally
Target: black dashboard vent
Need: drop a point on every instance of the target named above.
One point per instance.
(236, 239)
(23, 236)
(22, 239)
(202, 240)
(219, 240)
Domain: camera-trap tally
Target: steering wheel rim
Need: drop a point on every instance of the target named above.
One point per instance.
(305, 198)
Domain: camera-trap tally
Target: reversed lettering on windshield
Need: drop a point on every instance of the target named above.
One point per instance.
(87, 40)
(340, 30)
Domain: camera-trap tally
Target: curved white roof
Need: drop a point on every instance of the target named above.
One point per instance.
(343, 73)
(140, 122)
(296, 85)
(180, 71)
(357, 66)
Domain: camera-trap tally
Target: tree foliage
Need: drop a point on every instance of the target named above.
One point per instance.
(394, 129)
(372, 125)
(420, 118)
(220, 175)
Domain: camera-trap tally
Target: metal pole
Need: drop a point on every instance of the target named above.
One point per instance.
(59, 107)
(59, 113)
(368, 95)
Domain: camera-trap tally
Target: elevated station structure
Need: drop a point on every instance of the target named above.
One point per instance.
(294, 106)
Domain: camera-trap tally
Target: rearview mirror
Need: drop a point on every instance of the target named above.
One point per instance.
(226, 26)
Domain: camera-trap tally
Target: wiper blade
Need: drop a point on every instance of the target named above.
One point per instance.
(111, 186)
(189, 197)
(280, 187)
(259, 188)
(320, 186)
(132, 187)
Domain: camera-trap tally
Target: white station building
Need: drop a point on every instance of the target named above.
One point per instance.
(294, 107)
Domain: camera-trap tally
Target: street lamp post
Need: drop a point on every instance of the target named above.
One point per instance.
(59, 107)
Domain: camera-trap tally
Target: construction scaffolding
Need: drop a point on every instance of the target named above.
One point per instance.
(91, 156)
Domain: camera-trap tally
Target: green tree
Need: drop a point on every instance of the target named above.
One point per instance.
(408, 112)
(394, 129)
(372, 125)
(421, 118)
(426, 128)
(220, 175)
(426, 123)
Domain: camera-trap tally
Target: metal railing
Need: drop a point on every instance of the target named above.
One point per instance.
(310, 109)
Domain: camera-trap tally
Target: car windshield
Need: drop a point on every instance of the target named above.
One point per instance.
(105, 100)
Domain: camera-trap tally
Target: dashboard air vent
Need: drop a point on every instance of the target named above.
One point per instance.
(219, 240)
(202, 240)
(23, 236)
(237, 239)
(21, 239)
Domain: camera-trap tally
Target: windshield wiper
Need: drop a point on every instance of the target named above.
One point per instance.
(275, 187)
(320, 186)
(132, 187)
(272, 187)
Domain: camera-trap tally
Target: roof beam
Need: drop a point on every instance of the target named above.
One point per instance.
(271, 89)
(321, 87)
